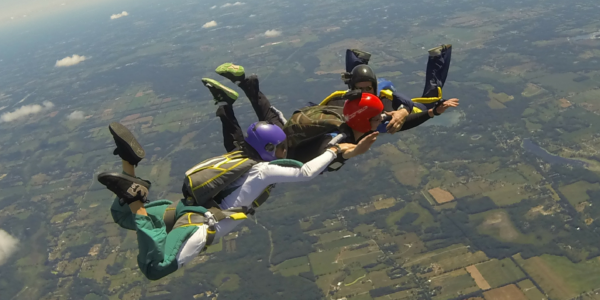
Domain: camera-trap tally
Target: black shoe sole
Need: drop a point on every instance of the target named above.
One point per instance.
(119, 185)
(122, 134)
(108, 179)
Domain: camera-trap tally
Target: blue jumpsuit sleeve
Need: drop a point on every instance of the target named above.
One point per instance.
(401, 99)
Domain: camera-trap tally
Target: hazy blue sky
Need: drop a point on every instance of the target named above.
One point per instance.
(20, 11)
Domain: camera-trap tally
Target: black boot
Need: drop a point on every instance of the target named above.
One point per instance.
(128, 147)
(129, 189)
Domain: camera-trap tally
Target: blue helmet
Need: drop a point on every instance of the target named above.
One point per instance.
(264, 138)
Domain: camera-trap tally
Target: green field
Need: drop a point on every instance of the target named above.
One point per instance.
(365, 296)
(294, 262)
(427, 259)
(531, 90)
(323, 262)
(581, 277)
(482, 169)
(363, 260)
(330, 226)
(577, 192)
(498, 224)
(306, 224)
(334, 235)
(100, 197)
(453, 284)
(508, 195)
(139, 102)
(60, 217)
(402, 295)
(356, 274)
(507, 175)
(530, 290)
(469, 189)
(293, 266)
(561, 278)
(562, 82)
(500, 272)
(344, 242)
(500, 97)
(215, 247)
(227, 282)
(425, 218)
(531, 126)
(294, 271)
(170, 117)
(73, 160)
(456, 261)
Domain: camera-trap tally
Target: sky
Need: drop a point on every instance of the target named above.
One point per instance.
(22, 11)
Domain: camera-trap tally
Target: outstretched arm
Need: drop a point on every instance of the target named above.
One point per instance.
(362, 147)
(414, 120)
(275, 174)
(447, 104)
(271, 173)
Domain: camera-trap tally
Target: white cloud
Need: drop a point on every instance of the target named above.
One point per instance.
(209, 24)
(116, 16)
(76, 115)
(8, 246)
(232, 4)
(252, 16)
(70, 61)
(213, 7)
(272, 33)
(26, 110)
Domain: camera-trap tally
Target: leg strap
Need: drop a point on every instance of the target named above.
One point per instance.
(169, 216)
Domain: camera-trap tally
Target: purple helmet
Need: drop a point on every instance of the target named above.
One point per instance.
(265, 138)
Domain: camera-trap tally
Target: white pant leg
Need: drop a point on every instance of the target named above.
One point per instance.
(193, 246)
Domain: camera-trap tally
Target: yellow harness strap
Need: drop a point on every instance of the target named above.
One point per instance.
(429, 99)
(386, 94)
(333, 95)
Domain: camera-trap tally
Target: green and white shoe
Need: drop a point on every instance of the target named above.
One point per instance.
(232, 72)
(221, 94)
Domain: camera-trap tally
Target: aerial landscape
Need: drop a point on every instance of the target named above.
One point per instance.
(496, 199)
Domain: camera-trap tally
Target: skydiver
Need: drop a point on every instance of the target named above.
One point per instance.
(360, 76)
(162, 253)
(365, 111)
